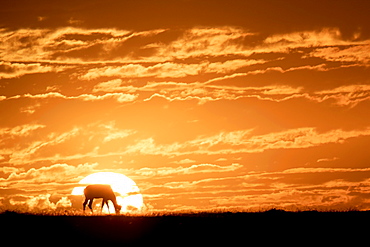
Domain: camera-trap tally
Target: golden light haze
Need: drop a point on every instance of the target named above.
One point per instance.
(204, 104)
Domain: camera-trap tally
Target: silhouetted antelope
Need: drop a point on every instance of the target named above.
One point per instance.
(100, 191)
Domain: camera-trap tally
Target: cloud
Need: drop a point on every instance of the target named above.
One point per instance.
(108, 86)
(119, 97)
(22, 44)
(30, 109)
(355, 54)
(327, 159)
(346, 89)
(243, 141)
(19, 155)
(6, 169)
(287, 199)
(302, 170)
(42, 44)
(114, 133)
(302, 138)
(194, 169)
(184, 161)
(232, 142)
(40, 202)
(64, 202)
(21, 130)
(81, 45)
(348, 95)
(65, 45)
(118, 135)
(11, 137)
(232, 138)
(212, 41)
(206, 92)
(224, 41)
(313, 187)
(71, 45)
(57, 173)
(78, 142)
(36, 203)
(166, 70)
(299, 188)
(231, 65)
(288, 189)
(13, 70)
(325, 36)
(148, 146)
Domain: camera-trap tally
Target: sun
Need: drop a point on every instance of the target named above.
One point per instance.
(128, 194)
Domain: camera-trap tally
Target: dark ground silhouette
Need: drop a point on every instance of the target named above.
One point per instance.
(240, 229)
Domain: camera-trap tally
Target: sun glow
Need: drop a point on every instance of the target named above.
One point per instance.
(128, 194)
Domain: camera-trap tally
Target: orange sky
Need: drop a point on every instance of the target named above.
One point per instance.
(204, 104)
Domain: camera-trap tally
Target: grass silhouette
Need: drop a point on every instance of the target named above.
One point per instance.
(187, 228)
